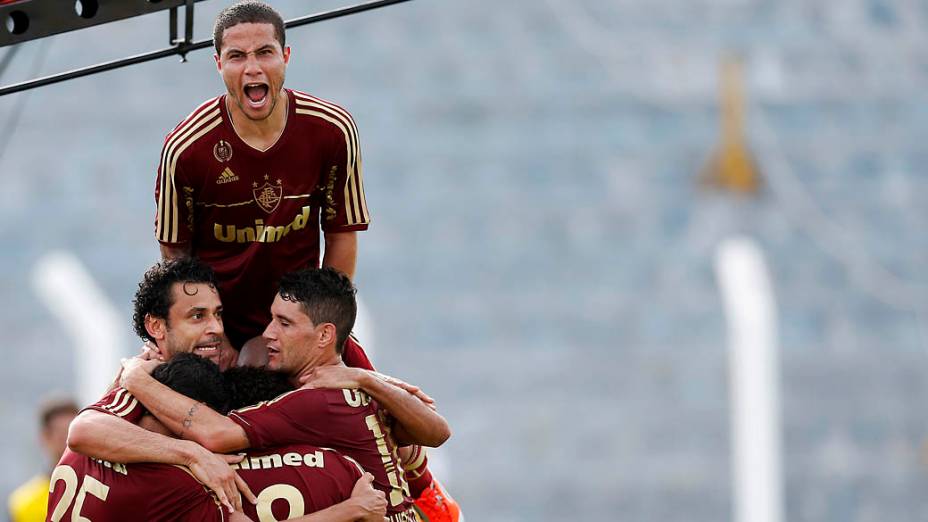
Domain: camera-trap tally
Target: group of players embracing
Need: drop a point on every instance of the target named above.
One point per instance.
(179, 437)
(251, 399)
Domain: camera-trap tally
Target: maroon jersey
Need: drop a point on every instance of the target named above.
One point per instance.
(121, 403)
(348, 421)
(83, 488)
(255, 215)
(354, 355)
(296, 480)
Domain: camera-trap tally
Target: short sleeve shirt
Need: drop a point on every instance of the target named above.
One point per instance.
(120, 403)
(348, 421)
(107, 492)
(296, 480)
(255, 215)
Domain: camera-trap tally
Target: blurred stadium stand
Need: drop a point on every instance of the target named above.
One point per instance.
(541, 254)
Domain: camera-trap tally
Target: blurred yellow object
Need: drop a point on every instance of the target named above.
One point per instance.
(28, 503)
(732, 166)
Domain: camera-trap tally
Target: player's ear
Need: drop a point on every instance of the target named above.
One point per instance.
(327, 334)
(156, 327)
(286, 55)
(218, 63)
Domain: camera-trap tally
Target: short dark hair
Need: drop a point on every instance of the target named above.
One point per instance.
(52, 407)
(195, 377)
(326, 295)
(154, 295)
(246, 385)
(248, 12)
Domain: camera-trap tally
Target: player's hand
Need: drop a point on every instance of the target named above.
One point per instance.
(213, 471)
(150, 351)
(411, 388)
(371, 503)
(333, 377)
(132, 366)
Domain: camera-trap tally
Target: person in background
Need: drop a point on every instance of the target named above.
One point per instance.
(27, 503)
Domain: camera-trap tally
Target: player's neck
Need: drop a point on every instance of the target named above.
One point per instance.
(331, 359)
(260, 134)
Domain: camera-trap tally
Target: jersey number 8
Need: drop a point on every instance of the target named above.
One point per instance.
(286, 492)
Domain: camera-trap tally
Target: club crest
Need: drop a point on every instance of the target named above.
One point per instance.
(268, 196)
(222, 151)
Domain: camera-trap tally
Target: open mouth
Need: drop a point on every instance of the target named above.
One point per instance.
(207, 349)
(256, 94)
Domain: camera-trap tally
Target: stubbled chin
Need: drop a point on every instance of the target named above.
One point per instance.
(257, 113)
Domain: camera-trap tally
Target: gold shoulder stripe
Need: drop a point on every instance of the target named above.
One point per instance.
(167, 199)
(351, 196)
(124, 397)
(128, 408)
(166, 189)
(342, 114)
(307, 99)
(168, 202)
(116, 398)
(195, 113)
(355, 204)
(167, 228)
(355, 174)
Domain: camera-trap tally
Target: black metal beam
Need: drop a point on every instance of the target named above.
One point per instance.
(183, 48)
(33, 19)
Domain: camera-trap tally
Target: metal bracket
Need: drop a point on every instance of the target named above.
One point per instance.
(182, 45)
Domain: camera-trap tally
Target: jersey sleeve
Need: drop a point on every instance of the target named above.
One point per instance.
(344, 208)
(287, 419)
(120, 403)
(173, 197)
(355, 356)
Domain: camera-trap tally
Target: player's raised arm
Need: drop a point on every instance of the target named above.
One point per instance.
(108, 437)
(182, 415)
(417, 422)
(111, 438)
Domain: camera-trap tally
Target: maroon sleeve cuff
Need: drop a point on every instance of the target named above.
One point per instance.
(254, 439)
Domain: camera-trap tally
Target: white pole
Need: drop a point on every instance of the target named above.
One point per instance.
(747, 297)
(74, 298)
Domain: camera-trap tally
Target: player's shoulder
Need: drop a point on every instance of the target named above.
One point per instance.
(305, 401)
(120, 403)
(207, 115)
(309, 107)
(351, 466)
(299, 396)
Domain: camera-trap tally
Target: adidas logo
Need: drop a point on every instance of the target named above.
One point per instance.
(227, 176)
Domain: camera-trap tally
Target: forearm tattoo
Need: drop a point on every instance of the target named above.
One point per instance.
(188, 421)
